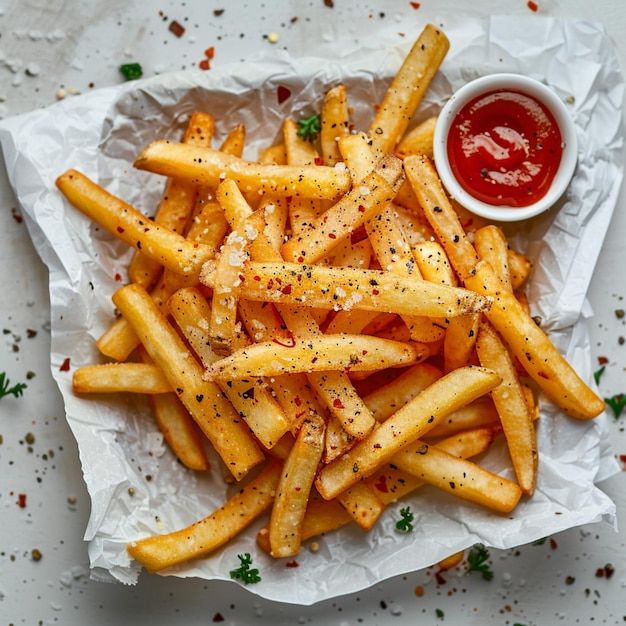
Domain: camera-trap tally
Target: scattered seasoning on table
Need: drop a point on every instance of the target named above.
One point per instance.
(131, 71)
(71, 500)
(21, 500)
(131, 491)
(617, 404)
(29, 439)
(176, 28)
(540, 542)
(314, 547)
(597, 375)
(533, 6)
(273, 37)
(570, 580)
(30, 375)
(30, 333)
(415, 5)
(605, 572)
(329, 3)
(619, 314)
(621, 340)
(218, 12)
(602, 360)
(553, 544)
(439, 613)
(16, 216)
(36, 554)
(292, 563)
(218, 617)
(16, 390)
(419, 591)
(65, 366)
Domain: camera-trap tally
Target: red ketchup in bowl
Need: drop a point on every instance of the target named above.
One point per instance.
(504, 148)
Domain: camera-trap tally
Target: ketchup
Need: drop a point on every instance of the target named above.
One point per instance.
(504, 148)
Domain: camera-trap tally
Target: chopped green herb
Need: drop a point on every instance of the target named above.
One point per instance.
(518, 624)
(540, 542)
(309, 127)
(617, 403)
(404, 525)
(477, 561)
(243, 572)
(439, 613)
(16, 390)
(131, 71)
(597, 375)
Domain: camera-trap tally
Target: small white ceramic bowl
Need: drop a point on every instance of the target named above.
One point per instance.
(540, 92)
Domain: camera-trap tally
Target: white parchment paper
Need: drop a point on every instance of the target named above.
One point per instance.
(120, 447)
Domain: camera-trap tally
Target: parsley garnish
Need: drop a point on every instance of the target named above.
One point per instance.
(540, 542)
(243, 572)
(309, 127)
(404, 525)
(597, 375)
(131, 71)
(617, 403)
(439, 613)
(477, 561)
(17, 390)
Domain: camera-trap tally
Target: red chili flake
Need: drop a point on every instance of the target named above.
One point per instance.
(204, 64)
(602, 360)
(257, 278)
(402, 34)
(358, 235)
(381, 484)
(415, 5)
(16, 216)
(288, 199)
(293, 563)
(318, 161)
(329, 3)
(282, 94)
(600, 572)
(364, 352)
(286, 290)
(176, 28)
(553, 544)
(622, 458)
(533, 6)
(118, 277)
(270, 283)
(332, 236)
(376, 109)
(209, 53)
(361, 208)
(65, 366)
(543, 375)
(297, 401)
(120, 230)
(21, 500)
(439, 578)
(218, 617)
(338, 404)
(375, 292)
(300, 259)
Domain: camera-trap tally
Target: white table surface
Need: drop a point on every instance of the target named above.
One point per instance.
(73, 44)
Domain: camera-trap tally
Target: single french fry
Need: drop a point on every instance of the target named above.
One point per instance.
(492, 247)
(276, 212)
(312, 354)
(200, 539)
(362, 505)
(386, 400)
(207, 167)
(412, 421)
(337, 441)
(459, 477)
(419, 140)
(478, 414)
(294, 486)
(235, 140)
(250, 397)
(390, 483)
(335, 123)
(424, 180)
(118, 378)
(433, 263)
(537, 354)
(347, 288)
(179, 430)
(358, 206)
(512, 407)
(125, 222)
(274, 155)
(408, 88)
(320, 517)
(176, 205)
(204, 401)
(520, 268)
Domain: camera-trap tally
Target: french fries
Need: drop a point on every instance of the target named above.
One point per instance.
(407, 89)
(300, 284)
(413, 420)
(209, 167)
(318, 353)
(118, 378)
(346, 289)
(204, 400)
(512, 407)
(200, 539)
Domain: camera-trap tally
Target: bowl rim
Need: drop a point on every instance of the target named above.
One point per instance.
(539, 91)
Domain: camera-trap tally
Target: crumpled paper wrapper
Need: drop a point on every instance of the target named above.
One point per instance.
(120, 446)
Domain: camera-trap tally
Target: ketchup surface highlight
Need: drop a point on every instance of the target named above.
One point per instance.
(505, 148)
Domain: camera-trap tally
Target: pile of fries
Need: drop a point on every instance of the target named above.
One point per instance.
(336, 328)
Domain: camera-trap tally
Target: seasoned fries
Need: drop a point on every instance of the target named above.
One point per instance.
(318, 316)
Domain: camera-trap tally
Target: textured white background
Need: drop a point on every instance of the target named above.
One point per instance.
(85, 43)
